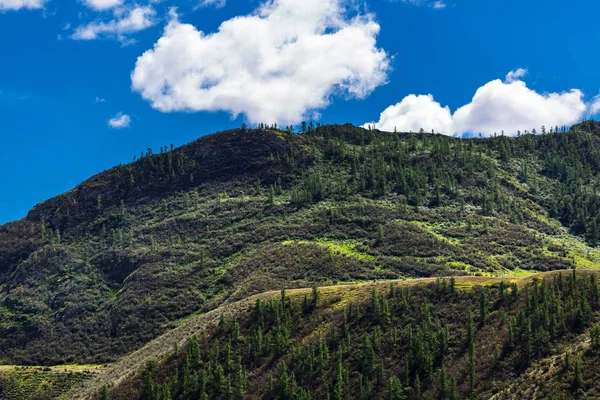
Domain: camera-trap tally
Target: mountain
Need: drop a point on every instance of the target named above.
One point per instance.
(456, 338)
(142, 249)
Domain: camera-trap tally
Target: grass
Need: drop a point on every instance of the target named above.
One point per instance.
(346, 249)
(338, 296)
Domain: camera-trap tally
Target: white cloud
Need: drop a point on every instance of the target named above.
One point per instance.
(101, 5)
(100, 100)
(216, 3)
(414, 113)
(125, 21)
(120, 121)
(280, 64)
(595, 106)
(437, 4)
(497, 106)
(13, 5)
(516, 75)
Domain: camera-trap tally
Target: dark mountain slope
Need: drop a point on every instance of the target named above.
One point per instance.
(99, 271)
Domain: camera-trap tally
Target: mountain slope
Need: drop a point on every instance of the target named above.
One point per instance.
(469, 337)
(98, 272)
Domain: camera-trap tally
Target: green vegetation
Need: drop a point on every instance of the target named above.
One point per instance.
(23, 383)
(143, 248)
(429, 341)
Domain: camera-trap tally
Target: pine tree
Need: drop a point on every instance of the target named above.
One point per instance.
(43, 229)
(417, 388)
(315, 296)
(595, 336)
(470, 329)
(149, 390)
(567, 361)
(271, 195)
(482, 308)
(395, 389)
(452, 285)
(368, 360)
(471, 366)
(104, 394)
(239, 382)
(380, 235)
(165, 392)
(443, 383)
(577, 382)
(195, 199)
(283, 383)
(339, 384)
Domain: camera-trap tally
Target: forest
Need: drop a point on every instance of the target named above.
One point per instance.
(141, 250)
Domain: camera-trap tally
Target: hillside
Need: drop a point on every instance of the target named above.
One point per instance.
(476, 338)
(138, 250)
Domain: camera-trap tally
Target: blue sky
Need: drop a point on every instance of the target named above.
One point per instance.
(75, 100)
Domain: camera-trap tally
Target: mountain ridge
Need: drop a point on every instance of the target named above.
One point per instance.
(98, 272)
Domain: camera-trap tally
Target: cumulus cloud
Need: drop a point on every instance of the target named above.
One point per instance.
(120, 121)
(438, 5)
(496, 106)
(414, 113)
(280, 64)
(124, 22)
(101, 5)
(595, 106)
(14, 5)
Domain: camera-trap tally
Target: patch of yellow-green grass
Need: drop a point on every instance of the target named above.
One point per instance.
(584, 256)
(508, 273)
(79, 366)
(278, 134)
(347, 249)
(514, 181)
(430, 229)
(583, 261)
(459, 266)
(58, 368)
(520, 273)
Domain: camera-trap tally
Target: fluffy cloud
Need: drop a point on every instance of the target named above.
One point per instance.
(414, 113)
(13, 5)
(101, 5)
(438, 5)
(120, 121)
(497, 106)
(280, 64)
(595, 106)
(125, 21)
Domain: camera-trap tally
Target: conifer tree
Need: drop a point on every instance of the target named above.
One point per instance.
(395, 389)
(104, 394)
(271, 195)
(315, 296)
(577, 382)
(471, 366)
(482, 308)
